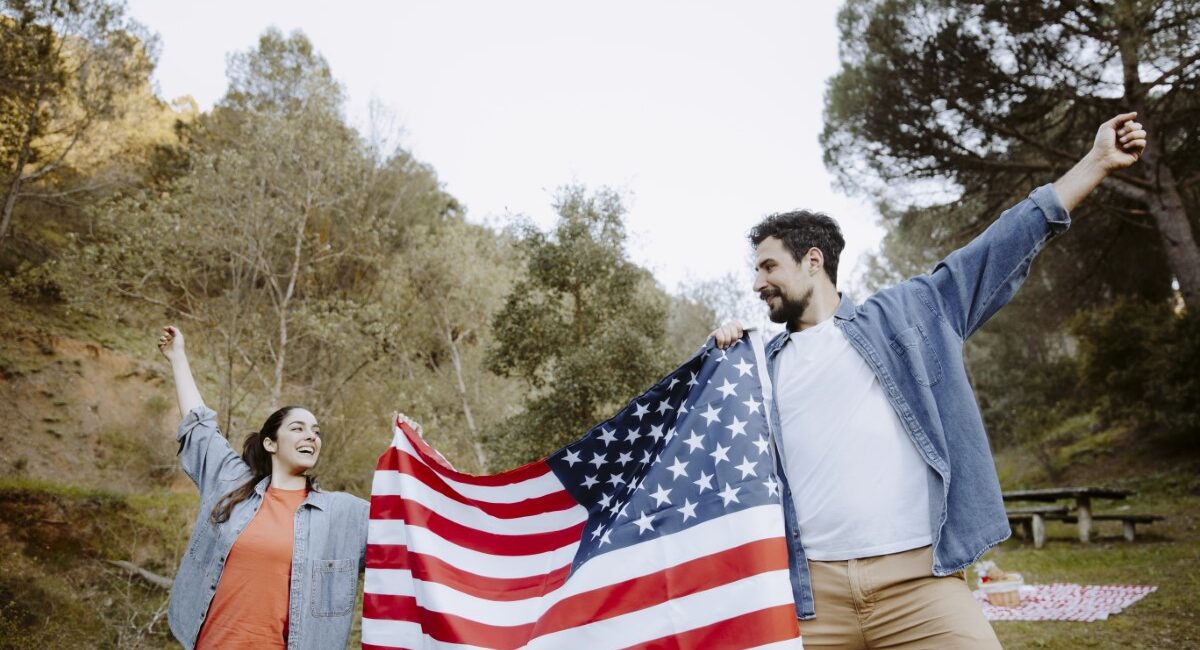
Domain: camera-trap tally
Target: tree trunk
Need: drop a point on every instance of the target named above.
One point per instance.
(1163, 201)
(10, 199)
(1166, 206)
(480, 454)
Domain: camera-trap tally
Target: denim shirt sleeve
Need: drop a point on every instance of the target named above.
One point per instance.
(205, 454)
(975, 281)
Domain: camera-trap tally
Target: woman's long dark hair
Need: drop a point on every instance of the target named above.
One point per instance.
(259, 460)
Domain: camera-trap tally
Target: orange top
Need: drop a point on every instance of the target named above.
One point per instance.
(250, 608)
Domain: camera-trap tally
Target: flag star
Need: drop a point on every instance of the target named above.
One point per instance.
(632, 435)
(737, 427)
(729, 494)
(695, 442)
(589, 481)
(615, 480)
(671, 433)
(625, 457)
(598, 532)
(656, 432)
(598, 459)
(605, 499)
(644, 523)
(674, 380)
(642, 409)
(772, 486)
(683, 408)
(747, 468)
(705, 481)
(688, 509)
(764, 445)
(647, 457)
(608, 435)
(752, 404)
(723, 356)
(616, 508)
(719, 454)
(743, 368)
(572, 457)
(727, 389)
(692, 381)
(604, 538)
(663, 407)
(712, 415)
(660, 497)
(678, 468)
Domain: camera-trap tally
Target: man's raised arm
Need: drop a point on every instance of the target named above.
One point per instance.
(1119, 143)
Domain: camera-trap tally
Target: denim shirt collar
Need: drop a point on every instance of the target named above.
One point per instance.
(316, 498)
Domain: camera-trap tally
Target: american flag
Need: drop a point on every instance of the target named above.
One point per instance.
(661, 528)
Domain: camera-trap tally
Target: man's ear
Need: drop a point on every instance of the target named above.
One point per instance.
(815, 260)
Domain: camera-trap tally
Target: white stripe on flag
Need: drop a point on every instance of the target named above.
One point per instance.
(676, 615)
(528, 489)
(405, 634)
(708, 538)
(391, 482)
(383, 531)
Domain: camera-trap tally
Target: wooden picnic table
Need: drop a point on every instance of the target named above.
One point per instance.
(1083, 501)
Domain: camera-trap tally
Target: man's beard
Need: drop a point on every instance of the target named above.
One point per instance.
(789, 310)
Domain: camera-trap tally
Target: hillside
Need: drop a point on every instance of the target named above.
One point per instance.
(90, 477)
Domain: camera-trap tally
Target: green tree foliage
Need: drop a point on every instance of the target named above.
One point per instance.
(997, 97)
(584, 326)
(68, 71)
(1137, 363)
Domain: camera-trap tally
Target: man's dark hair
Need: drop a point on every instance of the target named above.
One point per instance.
(801, 230)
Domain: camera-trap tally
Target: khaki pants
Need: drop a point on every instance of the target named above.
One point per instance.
(893, 601)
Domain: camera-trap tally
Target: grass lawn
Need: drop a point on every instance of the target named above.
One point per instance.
(1166, 554)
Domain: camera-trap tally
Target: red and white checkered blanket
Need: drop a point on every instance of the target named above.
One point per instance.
(1066, 602)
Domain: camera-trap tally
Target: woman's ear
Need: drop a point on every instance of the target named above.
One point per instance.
(269, 445)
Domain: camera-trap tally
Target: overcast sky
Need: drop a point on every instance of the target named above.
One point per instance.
(704, 115)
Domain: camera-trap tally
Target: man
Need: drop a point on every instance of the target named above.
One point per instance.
(879, 440)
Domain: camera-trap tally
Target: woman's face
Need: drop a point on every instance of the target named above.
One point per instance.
(297, 443)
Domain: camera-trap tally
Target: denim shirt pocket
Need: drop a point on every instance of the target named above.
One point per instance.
(919, 355)
(334, 586)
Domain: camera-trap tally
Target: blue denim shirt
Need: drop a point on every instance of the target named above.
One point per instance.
(328, 551)
(912, 336)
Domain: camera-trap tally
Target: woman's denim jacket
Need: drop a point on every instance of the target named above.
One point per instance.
(912, 336)
(329, 546)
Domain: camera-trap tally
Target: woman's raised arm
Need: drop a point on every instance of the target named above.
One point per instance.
(171, 345)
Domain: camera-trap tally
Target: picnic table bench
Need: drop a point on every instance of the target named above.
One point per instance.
(1033, 519)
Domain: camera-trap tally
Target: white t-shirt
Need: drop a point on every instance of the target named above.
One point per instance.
(859, 486)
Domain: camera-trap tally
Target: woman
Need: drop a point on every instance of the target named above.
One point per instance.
(273, 561)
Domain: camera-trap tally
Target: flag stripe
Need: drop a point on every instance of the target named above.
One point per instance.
(400, 461)
(429, 568)
(677, 615)
(391, 486)
(553, 613)
(416, 514)
(383, 531)
(770, 625)
(511, 479)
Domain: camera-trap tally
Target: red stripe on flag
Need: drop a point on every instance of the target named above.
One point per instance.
(431, 569)
(694, 576)
(434, 459)
(398, 508)
(764, 626)
(400, 461)
(449, 628)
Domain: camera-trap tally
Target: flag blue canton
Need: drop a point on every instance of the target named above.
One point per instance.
(693, 448)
